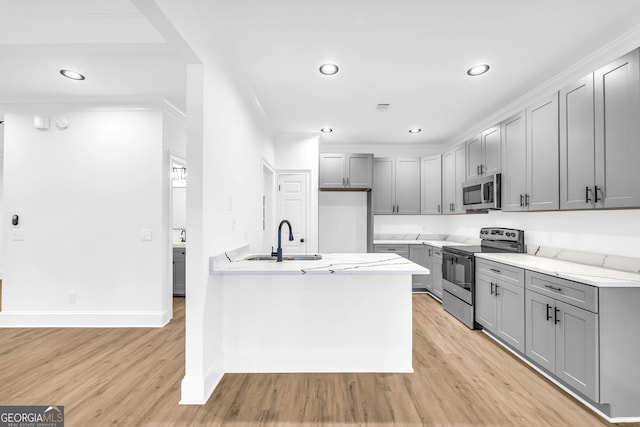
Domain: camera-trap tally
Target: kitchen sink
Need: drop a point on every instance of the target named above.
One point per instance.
(284, 258)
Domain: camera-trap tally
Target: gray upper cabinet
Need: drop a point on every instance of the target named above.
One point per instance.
(530, 170)
(599, 131)
(473, 157)
(431, 186)
(396, 185)
(484, 154)
(342, 171)
(453, 175)
(514, 161)
(617, 132)
(577, 145)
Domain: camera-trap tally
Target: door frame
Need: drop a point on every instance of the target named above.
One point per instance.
(269, 203)
(307, 172)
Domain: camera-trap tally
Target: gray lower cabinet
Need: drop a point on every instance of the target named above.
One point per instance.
(402, 250)
(437, 273)
(500, 301)
(599, 130)
(179, 280)
(419, 255)
(561, 337)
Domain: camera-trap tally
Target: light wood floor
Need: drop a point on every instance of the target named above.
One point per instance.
(131, 377)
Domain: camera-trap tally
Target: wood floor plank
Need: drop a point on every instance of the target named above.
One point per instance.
(131, 377)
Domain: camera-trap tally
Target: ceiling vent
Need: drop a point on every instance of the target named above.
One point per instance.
(381, 108)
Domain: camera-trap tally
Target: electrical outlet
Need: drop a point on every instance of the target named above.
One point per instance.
(233, 223)
(146, 235)
(72, 298)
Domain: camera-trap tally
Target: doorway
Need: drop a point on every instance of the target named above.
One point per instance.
(178, 223)
(293, 205)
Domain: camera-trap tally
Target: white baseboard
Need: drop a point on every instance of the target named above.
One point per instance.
(84, 319)
(196, 389)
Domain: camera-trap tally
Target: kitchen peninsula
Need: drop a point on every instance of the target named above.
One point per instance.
(340, 313)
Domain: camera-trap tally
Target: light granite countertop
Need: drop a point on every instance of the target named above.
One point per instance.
(436, 243)
(588, 274)
(232, 263)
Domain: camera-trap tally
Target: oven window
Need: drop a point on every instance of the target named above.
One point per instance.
(488, 192)
(458, 270)
(472, 195)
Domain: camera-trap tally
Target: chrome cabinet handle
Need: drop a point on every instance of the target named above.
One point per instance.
(438, 208)
(526, 200)
(348, 183)
(497, 290)
(556, 320)
(553, 288)
(495, 270)
(492, 285)
(477, 169)
(595, 193)
(548, 315)
(521, 200)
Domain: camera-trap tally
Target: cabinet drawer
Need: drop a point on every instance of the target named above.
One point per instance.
(506, 273)
(574, 293)
(402, 250)
(437, 254)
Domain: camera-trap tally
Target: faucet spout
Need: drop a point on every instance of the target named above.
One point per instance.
(278, 253)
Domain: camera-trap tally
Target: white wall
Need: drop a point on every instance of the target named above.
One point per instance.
(83, 195)
(384, 150)
(300, 152)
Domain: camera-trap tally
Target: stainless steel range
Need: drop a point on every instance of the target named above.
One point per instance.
(458, 269)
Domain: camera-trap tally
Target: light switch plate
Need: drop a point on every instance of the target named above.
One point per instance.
(146, 235)
(18, 234)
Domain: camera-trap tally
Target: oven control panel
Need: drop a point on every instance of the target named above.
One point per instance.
(502, 234)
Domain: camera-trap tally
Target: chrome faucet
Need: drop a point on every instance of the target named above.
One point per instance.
(278, 253)
(183, 235)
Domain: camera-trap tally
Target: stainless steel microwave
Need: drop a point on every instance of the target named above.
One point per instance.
(482, 193)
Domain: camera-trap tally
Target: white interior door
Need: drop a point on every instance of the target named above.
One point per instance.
(293, 206)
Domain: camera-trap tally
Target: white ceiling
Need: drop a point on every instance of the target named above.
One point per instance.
(111, 42)
(412, 54)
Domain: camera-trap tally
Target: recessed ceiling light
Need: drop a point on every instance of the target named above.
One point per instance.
(326, 130)
(415, 130)
(73, 75)
(476, 70)
(328, 69)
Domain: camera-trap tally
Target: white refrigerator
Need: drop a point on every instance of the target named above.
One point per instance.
(345, 222)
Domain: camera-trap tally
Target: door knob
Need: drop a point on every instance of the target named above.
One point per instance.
(302, 240)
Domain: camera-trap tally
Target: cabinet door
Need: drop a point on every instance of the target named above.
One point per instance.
(474, 158)
(577, 349)
(510, 314)
(617, 106)
(459, 162)
(418, 254)
(358, 170)
(332, 170)
(491, 151)
(408, 186)
(577, 161)
(540, 330)
(428, 281)
(437, 278)
(448, 182)
(179, 270)
(486, 302)
(431, 198)
(514, 163)
(543, 169)
(383, 185)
